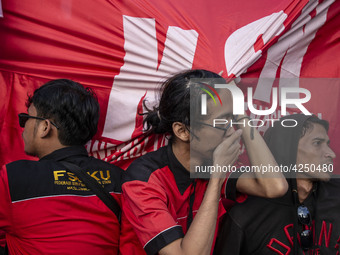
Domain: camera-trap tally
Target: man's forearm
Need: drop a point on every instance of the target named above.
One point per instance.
(270, 183)
(200, 236)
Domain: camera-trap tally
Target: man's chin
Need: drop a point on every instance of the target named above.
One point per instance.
(29, 153)
(324, 177)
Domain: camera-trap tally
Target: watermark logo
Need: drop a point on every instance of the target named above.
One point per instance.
(204, 97)
(281, 99)
(239, 99)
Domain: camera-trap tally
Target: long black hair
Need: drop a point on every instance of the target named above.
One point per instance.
(174, 104)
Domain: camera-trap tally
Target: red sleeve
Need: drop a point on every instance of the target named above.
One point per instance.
(5, 202)
(2, 238)
(145, 206)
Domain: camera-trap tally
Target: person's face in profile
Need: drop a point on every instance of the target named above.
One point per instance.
(314, 154)
(29, 134)
(207, 137)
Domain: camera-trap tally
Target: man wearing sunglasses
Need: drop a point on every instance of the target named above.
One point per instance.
(306, 220)
(44, 207)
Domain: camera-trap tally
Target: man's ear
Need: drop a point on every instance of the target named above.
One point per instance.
(181, 131)
(44, 128)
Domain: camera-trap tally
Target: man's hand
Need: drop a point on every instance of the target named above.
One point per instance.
(227, 152)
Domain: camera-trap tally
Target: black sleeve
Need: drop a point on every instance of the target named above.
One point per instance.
(230, 186)
(230, 238)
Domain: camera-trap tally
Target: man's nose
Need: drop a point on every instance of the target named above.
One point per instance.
(330, 153)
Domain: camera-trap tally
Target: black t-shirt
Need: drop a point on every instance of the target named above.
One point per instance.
(266, 226)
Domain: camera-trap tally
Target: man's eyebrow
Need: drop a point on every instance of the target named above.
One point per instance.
(321, 139)
(226, 116)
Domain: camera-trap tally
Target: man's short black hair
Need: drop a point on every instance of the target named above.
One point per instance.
(308, 124)
(74, 109)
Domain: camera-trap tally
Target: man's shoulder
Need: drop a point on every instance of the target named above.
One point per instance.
(335, 179)
(331, 187)
(21, 170)
(143, 167)
(241, 210)
(23, 164)
(98, 163)
(255, 209)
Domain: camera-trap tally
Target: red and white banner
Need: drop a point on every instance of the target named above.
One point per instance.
(124, 49)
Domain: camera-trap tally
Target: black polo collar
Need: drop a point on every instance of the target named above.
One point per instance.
(62, 154)
(182, 176)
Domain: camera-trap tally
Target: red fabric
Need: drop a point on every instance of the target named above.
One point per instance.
(123, 49)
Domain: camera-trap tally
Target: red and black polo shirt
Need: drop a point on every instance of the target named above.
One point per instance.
(45, 209)
(156, 201)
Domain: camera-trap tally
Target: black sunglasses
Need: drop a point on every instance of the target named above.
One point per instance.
(305, 218)
(23, 118)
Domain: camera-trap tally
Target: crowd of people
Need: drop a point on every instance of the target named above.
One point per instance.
(158, 205)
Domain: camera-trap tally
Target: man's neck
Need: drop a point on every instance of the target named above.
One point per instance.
(51, 148)
(304, 188)
(181, 151)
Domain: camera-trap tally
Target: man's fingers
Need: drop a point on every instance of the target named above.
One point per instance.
(234, 138)
(236, 135)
